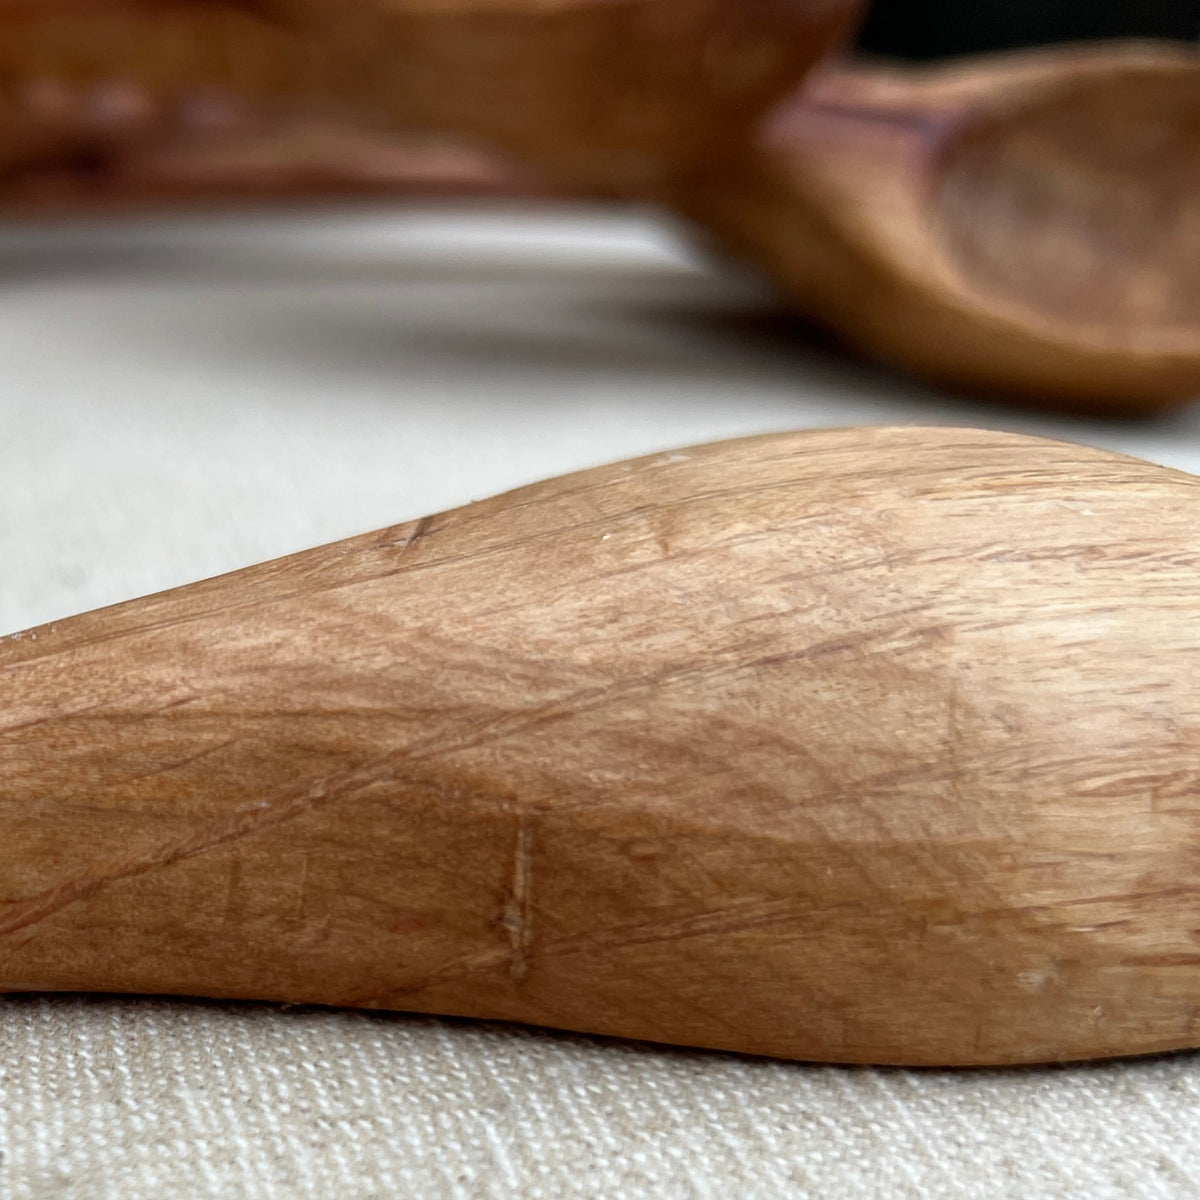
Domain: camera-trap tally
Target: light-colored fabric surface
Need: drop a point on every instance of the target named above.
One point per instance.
(149, 1099)
(181, 398)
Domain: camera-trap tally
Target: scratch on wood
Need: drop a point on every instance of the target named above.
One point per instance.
(233, 882)
(37, 908)
(245, 823)
(419, 530)
(517, 916)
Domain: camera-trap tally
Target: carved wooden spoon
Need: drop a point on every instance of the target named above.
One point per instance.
(1027, 225)
(602, 92)
(877, 745)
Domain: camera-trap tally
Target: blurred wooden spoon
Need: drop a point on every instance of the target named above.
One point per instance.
(1027, 225)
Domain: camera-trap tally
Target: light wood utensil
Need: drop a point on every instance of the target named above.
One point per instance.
(875, 745)
(1026, 225)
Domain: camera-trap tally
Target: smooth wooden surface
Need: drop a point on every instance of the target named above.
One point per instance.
(612, 93)
(873, 745)
(1026, 226)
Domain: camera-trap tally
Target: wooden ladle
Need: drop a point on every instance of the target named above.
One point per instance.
(875, 745)
(1027, 225)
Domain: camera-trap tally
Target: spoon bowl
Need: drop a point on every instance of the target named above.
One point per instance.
(1027, 226)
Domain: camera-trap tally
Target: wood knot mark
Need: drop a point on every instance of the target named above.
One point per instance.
(516, 917)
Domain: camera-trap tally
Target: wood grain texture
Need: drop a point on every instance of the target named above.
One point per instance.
(1027, 225)
(877, 745)
(610, 93)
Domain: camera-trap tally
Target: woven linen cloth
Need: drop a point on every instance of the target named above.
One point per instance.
(184, 397)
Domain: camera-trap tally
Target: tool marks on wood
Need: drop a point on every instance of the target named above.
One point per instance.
(828, 748)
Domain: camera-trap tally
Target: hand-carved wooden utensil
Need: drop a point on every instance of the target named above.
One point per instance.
(1028, 225)
(614, 93)
(875, 745)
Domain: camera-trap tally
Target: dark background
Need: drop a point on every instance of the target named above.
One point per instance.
(920, 29)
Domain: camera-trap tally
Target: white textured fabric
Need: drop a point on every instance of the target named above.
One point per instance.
(182, 398)
(149, 1099)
